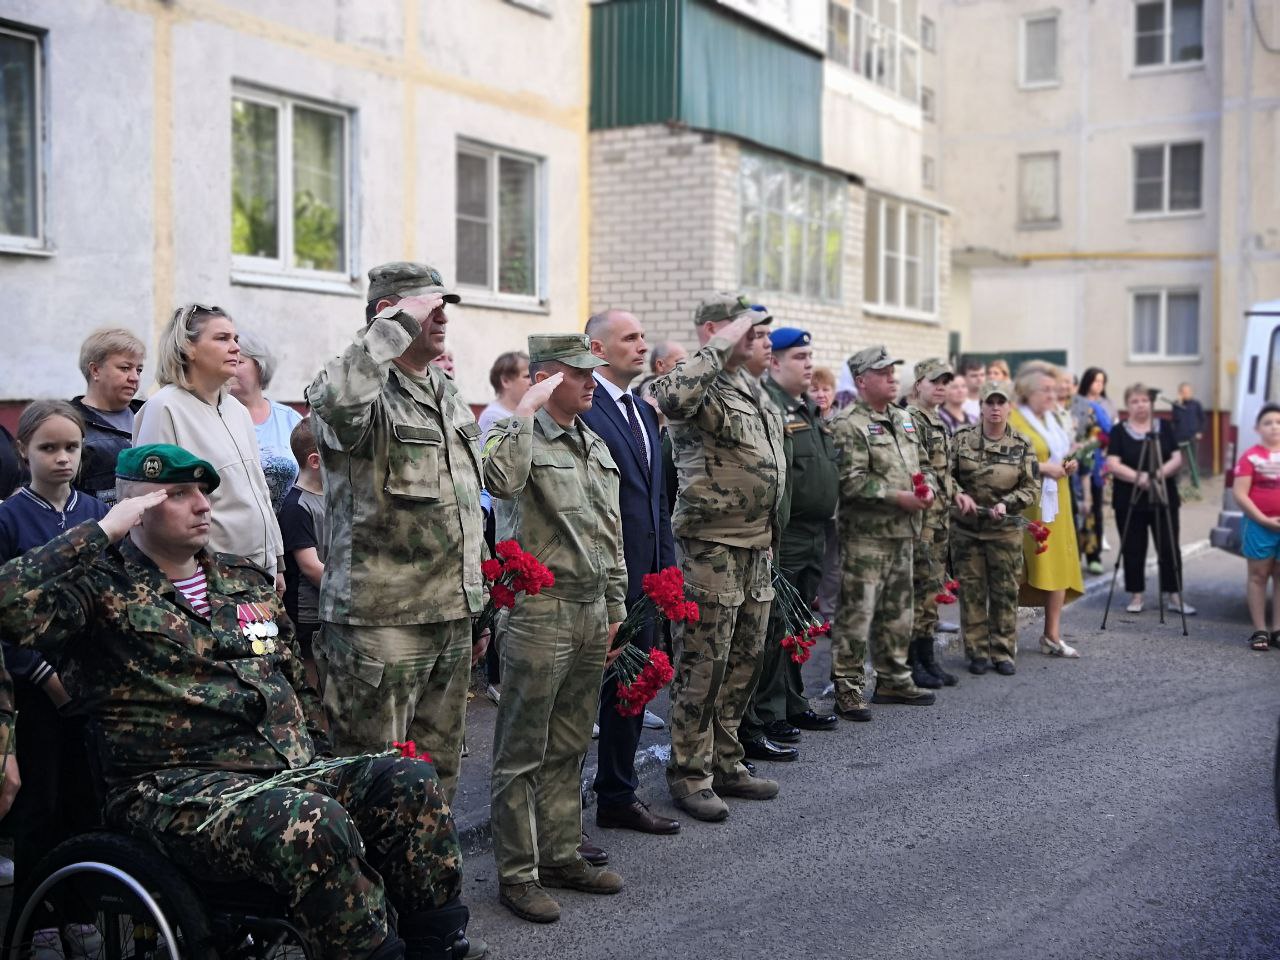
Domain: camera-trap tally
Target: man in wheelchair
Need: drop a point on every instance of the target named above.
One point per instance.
(188, 670)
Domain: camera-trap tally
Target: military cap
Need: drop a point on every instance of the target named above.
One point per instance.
(784, 338)
(573, 349)
(933, 369)
(993, 387)
(727, 306)
(872, 358)
(403, 279)
(165, 463)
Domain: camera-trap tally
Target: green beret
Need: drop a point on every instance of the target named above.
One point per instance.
(165, 463)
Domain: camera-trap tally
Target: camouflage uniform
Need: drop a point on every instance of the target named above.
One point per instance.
(727, 450)
(879, 454)
(556, 492)
(988, 553)
(401, 462)
(189, 706)
(813, 485)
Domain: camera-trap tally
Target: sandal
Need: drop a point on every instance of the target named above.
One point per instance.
(1260, 640)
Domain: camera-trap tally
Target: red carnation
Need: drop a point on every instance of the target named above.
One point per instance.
(945, 598)
(502, 596)
(952, 586)
(508, 549)
(657, 673)
(491, 569)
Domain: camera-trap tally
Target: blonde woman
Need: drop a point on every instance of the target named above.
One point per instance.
(197, 354)
(1052, 578)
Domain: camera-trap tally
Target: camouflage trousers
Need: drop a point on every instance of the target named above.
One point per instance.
(552, 660)
(716, 661)
(876, 599)
(338, 849)
(387, 683)
(989, 571)
(779, 689)
(928, 577)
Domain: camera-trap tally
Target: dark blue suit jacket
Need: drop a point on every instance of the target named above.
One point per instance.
(646, 516)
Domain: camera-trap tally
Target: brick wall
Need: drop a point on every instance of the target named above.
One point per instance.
(664, 232)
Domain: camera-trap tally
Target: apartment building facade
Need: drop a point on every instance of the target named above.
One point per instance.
(770, 146)
(263, 154)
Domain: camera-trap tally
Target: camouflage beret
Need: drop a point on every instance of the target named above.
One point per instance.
(872, 358)
(993, 388)
(403, 279)
(165, 463)
(727, 306)
(933, 369)
(573, 349)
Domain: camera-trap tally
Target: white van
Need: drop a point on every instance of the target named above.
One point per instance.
(1257, 382)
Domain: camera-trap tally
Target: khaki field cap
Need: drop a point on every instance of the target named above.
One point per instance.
(933, 369)
(994, 388)
(727, 306)
(402, 279)
(872, 358)
(573, 349)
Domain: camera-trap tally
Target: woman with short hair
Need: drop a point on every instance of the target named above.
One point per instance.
(197, 354)
(1051, 578)
(272, 422)
(111, 361)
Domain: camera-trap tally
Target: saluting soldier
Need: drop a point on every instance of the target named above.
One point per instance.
(191, 673)
(555, 487)
(929, 560)
(996, 476)
(779, 709)
(880, 517)
(727, 448)
(401, 458)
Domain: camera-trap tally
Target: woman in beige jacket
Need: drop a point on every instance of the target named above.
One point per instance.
(197, 355)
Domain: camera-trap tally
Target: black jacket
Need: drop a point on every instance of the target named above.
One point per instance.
(103, 443)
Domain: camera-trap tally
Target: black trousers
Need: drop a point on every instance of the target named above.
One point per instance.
(1145, 522)
(1099, 525)
(616, 781)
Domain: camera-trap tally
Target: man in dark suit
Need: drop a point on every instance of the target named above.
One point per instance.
(629, 427)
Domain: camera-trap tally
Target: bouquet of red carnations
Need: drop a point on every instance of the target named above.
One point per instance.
(1093, 447)
(949, 591)
(920, 486)
(642, 675)
(800, 626)
(1036, 530)
(511, 571)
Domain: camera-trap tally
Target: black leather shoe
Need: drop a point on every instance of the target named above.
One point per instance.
(780, 731)
(1005, 668)
(979, 665)
(634, 816)
(762, 748)
(857, 714)
(813, 721)
(589, 852)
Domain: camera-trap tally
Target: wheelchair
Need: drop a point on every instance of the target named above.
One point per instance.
(103, 895)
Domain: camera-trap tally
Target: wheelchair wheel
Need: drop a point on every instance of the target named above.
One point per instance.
(103, 896)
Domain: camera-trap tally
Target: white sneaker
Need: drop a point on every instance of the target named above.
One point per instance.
(652, 721)
(1181, 606)
(1135, 605)
(595, 731)
(946, 626)
(493, 692)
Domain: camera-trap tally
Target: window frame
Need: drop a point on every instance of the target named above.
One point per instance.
(873, 45)
(1162, 355)
(925, 293)
(928, 172)
(38, 245)
(1164, 213)
(492, 154)
(1166, 64)
(928, 104)
(786, 287)
(928, 34)
(278, 270)
(1056, 222)
(1023, 23)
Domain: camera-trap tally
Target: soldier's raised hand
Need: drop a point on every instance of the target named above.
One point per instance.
(537, 395)
(736, 330)
(127, 514)
(420, 308)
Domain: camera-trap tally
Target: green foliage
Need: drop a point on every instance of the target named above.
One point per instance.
(317, 233)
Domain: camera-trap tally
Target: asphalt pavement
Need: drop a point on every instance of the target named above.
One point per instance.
(1116, 806)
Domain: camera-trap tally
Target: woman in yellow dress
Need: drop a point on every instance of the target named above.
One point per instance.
(1052, 579)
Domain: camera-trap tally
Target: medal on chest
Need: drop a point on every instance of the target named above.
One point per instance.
(258, 627)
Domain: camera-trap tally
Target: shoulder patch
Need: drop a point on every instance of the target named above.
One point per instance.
(875, 429)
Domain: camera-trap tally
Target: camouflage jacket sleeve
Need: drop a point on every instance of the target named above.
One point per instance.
(682, 393)
(1027, 491)
(858, 483)
(508, 457)
(343, 394)
(926, 459)
(615, 594)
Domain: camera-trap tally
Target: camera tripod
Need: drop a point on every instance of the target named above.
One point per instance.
(1155, 496)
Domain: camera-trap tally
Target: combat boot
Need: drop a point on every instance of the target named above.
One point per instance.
(928, 657)
(921, 676)
(703, 805)
(439, 934)
(910, 695)
(580, 875)
(748, 788)
(852, 708)
(529, 901)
